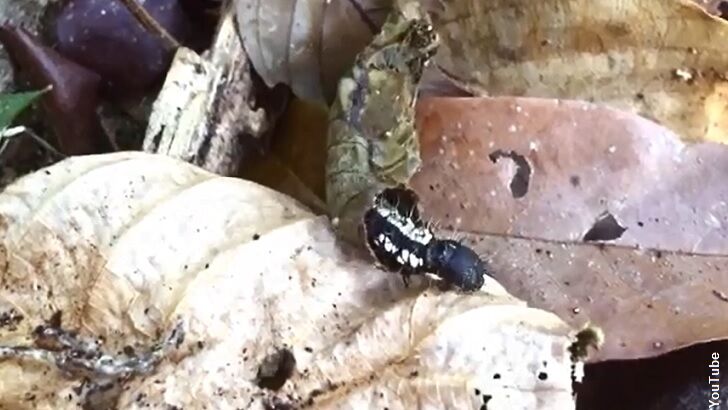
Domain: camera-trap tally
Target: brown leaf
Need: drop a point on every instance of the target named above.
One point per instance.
(434, 83)
(528, 178)
(296, 161)
(308, 44)
(662, 59)
(71, 104)
(567, 164)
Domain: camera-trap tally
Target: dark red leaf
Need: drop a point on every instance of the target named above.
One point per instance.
(70, 107)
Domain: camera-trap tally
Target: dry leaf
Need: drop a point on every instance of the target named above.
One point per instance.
(307, 44)
(372, 143)
(297, 158)
(127, 244)
(662, 59)
(529, 179)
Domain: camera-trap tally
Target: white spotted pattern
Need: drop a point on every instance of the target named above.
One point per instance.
(421, 235)
(414, 261)
(387, 243)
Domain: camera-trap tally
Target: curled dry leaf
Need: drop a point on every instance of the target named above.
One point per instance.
(662, 59)
(531, 180)
(128, 244)
(307, 44)
(371, 142)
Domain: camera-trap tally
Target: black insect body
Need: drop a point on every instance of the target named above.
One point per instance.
(456, 264)
(402, 241)
(396, 235)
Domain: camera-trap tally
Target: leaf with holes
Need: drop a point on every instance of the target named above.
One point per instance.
(274, 309)
(662, 59)
(592, 213)
(308, 44)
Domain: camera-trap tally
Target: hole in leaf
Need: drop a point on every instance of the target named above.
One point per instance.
(575, 181)
(606, 228)
(522, 177)
(276, 369)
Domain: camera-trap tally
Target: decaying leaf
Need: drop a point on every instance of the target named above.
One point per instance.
(665, 60)
(83, 358)
(535, 182)
(372, 143)
(308, 44)
(276, 310)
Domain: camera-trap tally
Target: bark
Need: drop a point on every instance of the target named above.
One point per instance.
(208, 112)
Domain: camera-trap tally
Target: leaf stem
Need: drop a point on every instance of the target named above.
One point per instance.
(150, 24)
(9, 133)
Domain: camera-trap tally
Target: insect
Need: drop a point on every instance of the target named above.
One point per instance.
(402, 241)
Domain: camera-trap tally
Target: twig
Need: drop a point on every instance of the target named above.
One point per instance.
(9, 133)
(76, 357)
(150, 24)
(103, 374)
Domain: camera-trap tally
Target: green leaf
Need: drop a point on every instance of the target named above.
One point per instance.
(13, 104)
